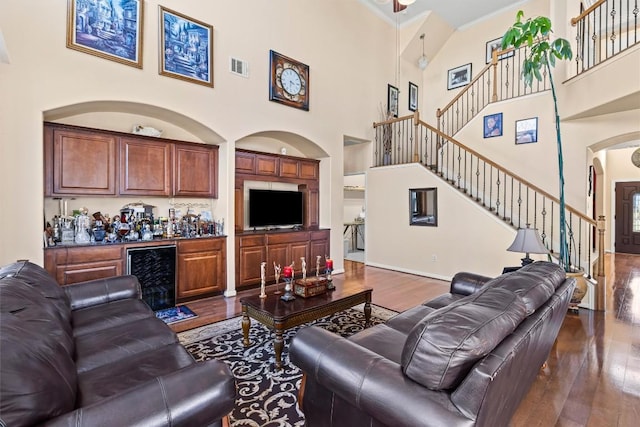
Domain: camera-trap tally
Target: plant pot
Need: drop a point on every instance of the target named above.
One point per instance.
(580, 290)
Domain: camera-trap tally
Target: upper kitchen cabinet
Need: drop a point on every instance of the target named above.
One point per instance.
(79, 162)
(89, 162)
(195, 170)
(145, 167)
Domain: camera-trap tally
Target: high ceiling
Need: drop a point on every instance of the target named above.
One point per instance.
(456, 13)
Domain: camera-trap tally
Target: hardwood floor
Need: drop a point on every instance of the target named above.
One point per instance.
(592, 377)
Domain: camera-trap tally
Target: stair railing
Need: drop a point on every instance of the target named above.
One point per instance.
(498, 81)
(604, 30)
(510, 197)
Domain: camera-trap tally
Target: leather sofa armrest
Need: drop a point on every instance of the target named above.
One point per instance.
(369, 382)
(197, 395)
(465, 283)
(100, 291)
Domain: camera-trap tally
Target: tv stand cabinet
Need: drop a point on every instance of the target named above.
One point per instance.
(282, 247)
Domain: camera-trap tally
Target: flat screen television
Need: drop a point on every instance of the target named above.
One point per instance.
(275, 208)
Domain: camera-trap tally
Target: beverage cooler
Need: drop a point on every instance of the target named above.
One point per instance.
(155, 268)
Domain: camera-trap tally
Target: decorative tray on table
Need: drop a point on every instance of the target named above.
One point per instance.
(310, 287)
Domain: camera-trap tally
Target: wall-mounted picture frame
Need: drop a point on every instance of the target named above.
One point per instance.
(113, 33)
(493, 45)
(392, 100)
(492, 125)
(186, 48)
(413, 97)
(459, 76)
(527, 130)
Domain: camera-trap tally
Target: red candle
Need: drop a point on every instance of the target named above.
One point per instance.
(329, 264)
(287, 271)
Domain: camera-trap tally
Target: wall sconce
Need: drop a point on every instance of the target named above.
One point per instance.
(528, 241)
(422, 61)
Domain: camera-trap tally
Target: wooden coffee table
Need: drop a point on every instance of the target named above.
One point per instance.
(280, 315)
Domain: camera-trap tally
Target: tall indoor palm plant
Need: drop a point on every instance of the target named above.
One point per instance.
(542, 54)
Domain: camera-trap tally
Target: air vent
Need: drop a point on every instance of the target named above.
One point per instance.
(239, 67)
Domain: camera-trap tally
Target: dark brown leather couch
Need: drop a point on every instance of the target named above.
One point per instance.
(94, 354)
(466, 358)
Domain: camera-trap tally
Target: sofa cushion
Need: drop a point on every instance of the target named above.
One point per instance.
(38, 278)
(406, 320)
(111, 345)
(383, 340)
(534, 283)
(30, 307)
(38, 375)
(130, 372)
(107, 315)
(443, 347)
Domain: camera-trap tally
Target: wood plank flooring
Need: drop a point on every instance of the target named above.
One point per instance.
(593, 373)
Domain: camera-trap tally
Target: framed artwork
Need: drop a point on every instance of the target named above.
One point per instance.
(289, 81)
(413, 97)
(392, 100)
(527, 130)
(186, 48)
(493, 45)
(113, 32)
(492, 125)
(459, 76)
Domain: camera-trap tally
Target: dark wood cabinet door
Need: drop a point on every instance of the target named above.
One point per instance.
(309, 170)
(145, 167)
(313, 208)
(280, 254)
(195, 171)
(267, 165)
(319, 248)
(249, 259)
(73, 265)
(79, 162)
(245, 162)
(201, 268)
(289, 168)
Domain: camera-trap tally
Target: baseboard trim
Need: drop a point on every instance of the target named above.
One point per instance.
(410, 271)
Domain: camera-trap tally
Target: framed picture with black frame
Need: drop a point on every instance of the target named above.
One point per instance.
(392, 100)
(459, 76)
(492, 125)
(496, 44)
(527, 130)
(413, 97)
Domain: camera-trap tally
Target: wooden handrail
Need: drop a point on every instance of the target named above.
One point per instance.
(440, 112)
(508, 172)
(394, 120)
(574, 21)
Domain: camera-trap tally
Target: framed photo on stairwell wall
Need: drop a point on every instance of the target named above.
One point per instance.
(392, 100)
(413, 97)
(459, 76)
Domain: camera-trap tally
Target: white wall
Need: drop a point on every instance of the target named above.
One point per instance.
(468, 237)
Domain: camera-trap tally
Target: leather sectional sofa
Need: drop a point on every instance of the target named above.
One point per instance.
(466, 358)
(93, 354)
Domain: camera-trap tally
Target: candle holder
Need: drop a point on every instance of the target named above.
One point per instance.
(288, 290)
(330, 285)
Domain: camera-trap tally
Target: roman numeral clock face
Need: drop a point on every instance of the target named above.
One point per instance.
(289, 83)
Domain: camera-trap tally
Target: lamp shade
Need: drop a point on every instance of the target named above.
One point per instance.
(406, 2)
(528, 241)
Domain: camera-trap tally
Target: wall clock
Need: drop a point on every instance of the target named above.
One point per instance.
(289, 81)
(635, 158)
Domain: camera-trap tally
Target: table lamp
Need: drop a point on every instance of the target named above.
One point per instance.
(528, 241)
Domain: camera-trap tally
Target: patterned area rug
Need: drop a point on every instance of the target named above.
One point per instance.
(266, 397)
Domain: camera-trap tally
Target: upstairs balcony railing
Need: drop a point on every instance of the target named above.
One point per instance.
(510, 197)
(604, 30)
(498, 81)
